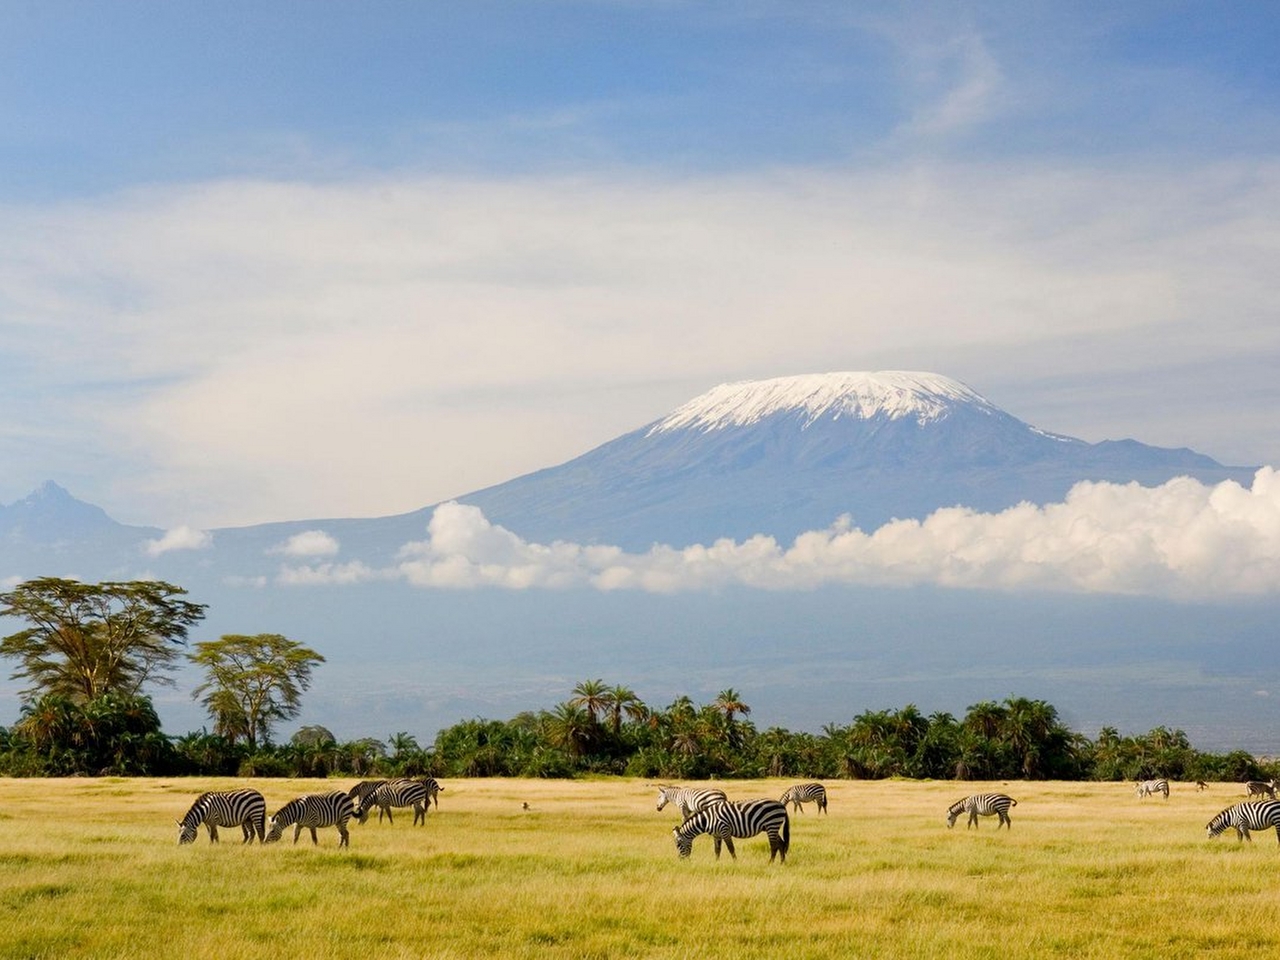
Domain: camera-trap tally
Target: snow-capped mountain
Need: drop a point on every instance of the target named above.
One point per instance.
(791, 454)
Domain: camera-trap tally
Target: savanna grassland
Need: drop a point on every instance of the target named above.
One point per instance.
(91, 868)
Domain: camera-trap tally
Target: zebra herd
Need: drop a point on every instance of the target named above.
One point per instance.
(703, 810)
(247, 809)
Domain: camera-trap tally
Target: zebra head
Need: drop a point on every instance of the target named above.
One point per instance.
(186, 832)
(1218, 824)
(953, 813)
(275, 831)
(684, 844)
(664, 796)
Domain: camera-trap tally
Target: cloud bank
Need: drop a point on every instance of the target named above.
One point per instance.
(1183, 540)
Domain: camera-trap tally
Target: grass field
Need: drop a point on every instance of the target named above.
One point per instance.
(91, 868)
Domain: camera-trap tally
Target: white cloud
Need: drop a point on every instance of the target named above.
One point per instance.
(309, 543)
(179, 538)
(1183, 540)
(330, 573)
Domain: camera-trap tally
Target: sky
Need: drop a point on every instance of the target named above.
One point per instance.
(270, 261)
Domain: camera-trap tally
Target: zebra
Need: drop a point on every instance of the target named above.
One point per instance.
(1250, 815)
(982, 805)
(236, 808)
(433, 790)
(311, 811)
(690, 799)
(1257, 788)
(1149, 788)
(740, 818)
(803, 793)
(396, 793)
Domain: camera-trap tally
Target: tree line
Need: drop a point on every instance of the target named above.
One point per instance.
(89, 650)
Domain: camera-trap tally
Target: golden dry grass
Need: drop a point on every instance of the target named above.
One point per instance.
(91, 868)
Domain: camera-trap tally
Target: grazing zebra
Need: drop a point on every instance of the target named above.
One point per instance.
(803, 793)
(1256, 788)
(314, 810)
(236, 808)
(1148, 788)
(741, 818)
(982, 805)
(1250, 815)
(396, 793)
(690, 799)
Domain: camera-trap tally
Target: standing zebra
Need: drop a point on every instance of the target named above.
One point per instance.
(690, 799)
(396, 793)
(1148, 788)
(314, 810)
(236, 808)
(433, 790)
(1257, 788)
(982, 805)
(803, 793)
(741, 818)
(1250, 815)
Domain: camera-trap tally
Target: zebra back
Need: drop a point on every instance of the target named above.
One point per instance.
(690, 799)
(233, 808)
(738, 818)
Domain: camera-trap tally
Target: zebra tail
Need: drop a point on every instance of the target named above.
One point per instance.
(786, 835)
(1013, 802)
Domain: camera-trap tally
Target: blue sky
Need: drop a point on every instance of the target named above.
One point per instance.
(288, 260)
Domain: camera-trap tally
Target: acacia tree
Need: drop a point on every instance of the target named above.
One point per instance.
(253, 682)
(90, 639)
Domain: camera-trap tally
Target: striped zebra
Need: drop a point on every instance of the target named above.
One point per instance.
(235, 808)
(740, 818)
(396, 793)
(1149, 788)
(690, 799)
(314, 810)
(1257, 788)
(803, 793)
(1250, 815)
(982, 805)
(433, 790)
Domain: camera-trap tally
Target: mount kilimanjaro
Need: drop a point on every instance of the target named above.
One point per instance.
(777, 457)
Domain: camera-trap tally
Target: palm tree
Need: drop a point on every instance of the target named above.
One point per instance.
(569, 727)
(729, 703)
(622, 700)
(593, 697)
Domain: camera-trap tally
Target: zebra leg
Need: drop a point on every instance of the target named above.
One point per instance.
(717, 843)
(213, 831)
(297, 832)
(247, 829)
(973, 820)
(728, 842)
(343, 835)
(419, 812)
(776, 847)
(315, 841)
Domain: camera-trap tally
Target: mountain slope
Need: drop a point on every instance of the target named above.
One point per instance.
(791, 454)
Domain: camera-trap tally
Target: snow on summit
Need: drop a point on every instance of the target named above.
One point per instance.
(893, 394)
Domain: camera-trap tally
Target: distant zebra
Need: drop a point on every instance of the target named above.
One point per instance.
(803, 793)
(1149, 788)
(741, 818)
(314, 810)
(1257, 788)
(982, 805)
(1250, 815)
(396, 793)
(236, 808)
(690, 799)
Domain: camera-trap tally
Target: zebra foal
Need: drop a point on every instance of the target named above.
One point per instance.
(982, 805)
(803, 793)
(742, 819)
(690, 799)
(1259, 788)
(1250, 815)
(1149, 788)
(234, 808)
(312, 811)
